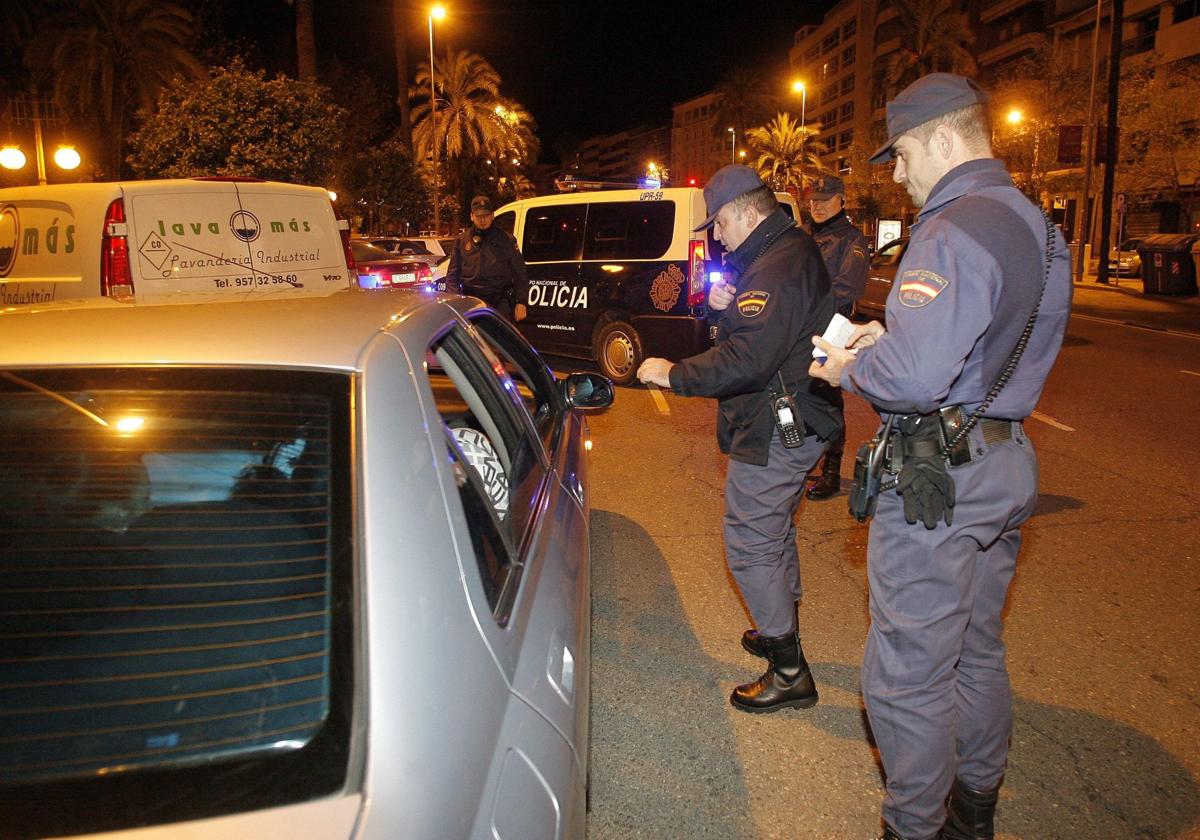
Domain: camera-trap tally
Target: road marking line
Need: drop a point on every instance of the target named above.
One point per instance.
(1050, 421)
(660, 402)
(1135, 326)
(1190, 372)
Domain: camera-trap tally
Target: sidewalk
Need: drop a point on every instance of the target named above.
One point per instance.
(1124, 300)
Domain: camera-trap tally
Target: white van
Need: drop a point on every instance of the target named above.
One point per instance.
(152, 241)
(617, 275)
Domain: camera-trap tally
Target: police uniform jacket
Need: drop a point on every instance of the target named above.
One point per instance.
(963, 292)
(783, 299)
(487, 263)
(844, 249)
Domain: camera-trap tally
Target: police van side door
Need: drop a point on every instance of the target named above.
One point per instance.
(552, 244)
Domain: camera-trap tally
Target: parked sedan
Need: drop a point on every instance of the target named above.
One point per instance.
(378, 268)
(880, 277)
(303, 568)
(1124, 261)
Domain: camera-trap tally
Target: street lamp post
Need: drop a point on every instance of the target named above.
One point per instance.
(436, 12)
(11, 157)
(732, 144)
(798, 87)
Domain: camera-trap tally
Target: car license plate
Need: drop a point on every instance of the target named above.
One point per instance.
(408, 277)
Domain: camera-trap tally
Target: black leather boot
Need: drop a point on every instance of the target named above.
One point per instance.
(830, 481)
(752, 641)
(787, 683)
(970, 813)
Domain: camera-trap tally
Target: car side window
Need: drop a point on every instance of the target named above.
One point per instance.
(890, 253)
(629, 230)
(534, 382)
(554, 234)
(495, 438)
(492, 553)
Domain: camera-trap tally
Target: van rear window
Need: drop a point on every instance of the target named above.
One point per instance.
(172, 548)
(629, 230)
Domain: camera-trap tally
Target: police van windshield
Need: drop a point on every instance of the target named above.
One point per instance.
(167, 593)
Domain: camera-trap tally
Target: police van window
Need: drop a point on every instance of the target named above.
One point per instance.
(553, 234)
(787, 208)
(629, 230)
(506, 221)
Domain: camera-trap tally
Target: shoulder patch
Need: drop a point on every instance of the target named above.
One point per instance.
(918, 287)
(752, 303)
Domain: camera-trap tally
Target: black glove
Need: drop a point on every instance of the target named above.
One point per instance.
(928, 491)
(926, 486)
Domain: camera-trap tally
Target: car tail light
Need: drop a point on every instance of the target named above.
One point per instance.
(116, 279)
(344, 231)
(695, 272)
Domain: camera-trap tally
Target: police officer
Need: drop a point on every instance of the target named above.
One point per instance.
(769, 422)
(485, 263)
(844, 250)
(943, 544)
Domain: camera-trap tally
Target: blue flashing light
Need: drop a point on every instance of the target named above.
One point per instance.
(651, 183)
(714, 277)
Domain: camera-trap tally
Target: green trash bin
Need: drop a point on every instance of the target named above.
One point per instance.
(1168, 264)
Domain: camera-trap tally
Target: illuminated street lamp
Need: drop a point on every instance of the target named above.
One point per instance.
(732, 143)
(798, 87)
(11, 156)
(1015, 116)
(65, 157)
(437, 12)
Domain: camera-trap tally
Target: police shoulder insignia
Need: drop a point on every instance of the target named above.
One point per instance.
(918, 287)
(752, 303)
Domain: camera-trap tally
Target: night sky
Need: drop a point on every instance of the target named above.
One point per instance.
(583, 68)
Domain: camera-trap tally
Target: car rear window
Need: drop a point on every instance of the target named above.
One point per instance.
(174, 545)
(629, 230)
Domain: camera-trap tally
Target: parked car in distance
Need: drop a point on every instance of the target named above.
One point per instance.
(307, 568)
(1124, 260)
(378, 268)
(880, 276)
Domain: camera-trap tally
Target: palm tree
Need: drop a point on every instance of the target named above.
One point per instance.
(468, 90)
(787, 156)
(401, 18)
(306, 41)
(110, 56)
(934, 38)
(742, 101)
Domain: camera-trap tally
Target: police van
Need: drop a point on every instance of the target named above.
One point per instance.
(186, 239)
(616, 276)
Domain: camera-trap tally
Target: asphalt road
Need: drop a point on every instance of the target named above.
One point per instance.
(1102, 623)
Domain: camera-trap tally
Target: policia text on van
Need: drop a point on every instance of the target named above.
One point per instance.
(614, 276)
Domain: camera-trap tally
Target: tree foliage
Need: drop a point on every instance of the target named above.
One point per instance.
(237, 122)
(743, 101)
(934, 37)
(386, 187)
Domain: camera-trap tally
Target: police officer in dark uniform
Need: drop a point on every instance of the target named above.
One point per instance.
(486, 264)
(943, 544)
(844, 250)
(770, 422)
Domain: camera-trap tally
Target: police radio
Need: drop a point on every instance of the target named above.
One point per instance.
(790, 434)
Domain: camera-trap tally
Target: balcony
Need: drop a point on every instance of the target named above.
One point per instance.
(1011, 48)
(992, 12)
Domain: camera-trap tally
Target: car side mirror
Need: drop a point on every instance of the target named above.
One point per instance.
(587, 391)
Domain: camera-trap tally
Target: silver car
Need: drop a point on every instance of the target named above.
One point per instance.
(308, 568)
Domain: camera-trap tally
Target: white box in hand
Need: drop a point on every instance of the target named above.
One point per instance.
(837, 333)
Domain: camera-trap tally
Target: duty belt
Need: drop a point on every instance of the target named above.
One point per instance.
(992, 430)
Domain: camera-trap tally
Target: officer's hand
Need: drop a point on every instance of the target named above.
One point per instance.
(519, 312)
(835, 362)
(928, 491)
(655, 371)
(720, 295)
(865, 335)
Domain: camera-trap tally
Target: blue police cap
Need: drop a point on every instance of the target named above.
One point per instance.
(928, 97)
(727, 184)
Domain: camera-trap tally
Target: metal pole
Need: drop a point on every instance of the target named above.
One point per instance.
(803, 136)
(433, 136)
(732, 144)
(40, 151)
(1089, 140)
(1110, 151)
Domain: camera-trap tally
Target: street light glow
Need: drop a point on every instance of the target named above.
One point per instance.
(797, 86)
(438, 12)
(1015, 116)
(11, 157)
(66, 157)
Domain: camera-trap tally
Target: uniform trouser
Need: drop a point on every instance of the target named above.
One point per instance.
(497, 299)
(934, 676)
(760, 538)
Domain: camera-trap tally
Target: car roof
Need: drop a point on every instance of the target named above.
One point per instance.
(297, 332)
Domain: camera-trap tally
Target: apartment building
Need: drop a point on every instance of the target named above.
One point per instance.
(622, 157)
(697, 148)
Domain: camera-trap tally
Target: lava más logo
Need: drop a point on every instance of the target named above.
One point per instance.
(245, 225)
(10, 235)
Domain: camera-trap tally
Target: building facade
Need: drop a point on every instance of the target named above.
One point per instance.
(697, 148)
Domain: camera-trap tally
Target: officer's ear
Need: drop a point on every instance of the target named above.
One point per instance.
(943, 141)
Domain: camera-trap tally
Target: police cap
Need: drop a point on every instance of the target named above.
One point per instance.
(928, 97)
(728, 183)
